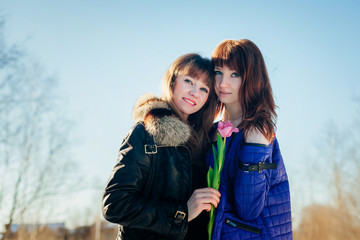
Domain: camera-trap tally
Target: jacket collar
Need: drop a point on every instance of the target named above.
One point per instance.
(160, 121)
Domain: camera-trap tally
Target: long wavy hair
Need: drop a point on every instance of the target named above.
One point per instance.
(195, 66)
(255, 94)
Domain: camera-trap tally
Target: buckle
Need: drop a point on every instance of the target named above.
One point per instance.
(261, 166)
(150, 149)
(246, 165)
(179, 215)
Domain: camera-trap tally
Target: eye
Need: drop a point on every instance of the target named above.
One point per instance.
(235, 75)
(218, 72)
(204, 90)
(188, 81)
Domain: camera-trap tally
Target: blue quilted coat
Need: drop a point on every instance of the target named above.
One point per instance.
(253, 205)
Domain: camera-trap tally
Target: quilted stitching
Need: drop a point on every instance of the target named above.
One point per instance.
(256, 198)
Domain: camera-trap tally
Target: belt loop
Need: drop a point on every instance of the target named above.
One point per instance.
(246, 167)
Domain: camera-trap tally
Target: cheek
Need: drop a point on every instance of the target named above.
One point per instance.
(237, 84)
(216, 89)
(203, 101)
(238, 88)
(206, 98)
(217, 83)
(176, 90)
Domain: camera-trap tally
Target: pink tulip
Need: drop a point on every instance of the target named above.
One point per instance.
(226, 128)
(213, 176)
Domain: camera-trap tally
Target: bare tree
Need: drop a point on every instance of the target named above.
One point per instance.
(337, 173)
(35, 167)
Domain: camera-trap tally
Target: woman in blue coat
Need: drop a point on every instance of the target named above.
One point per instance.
(255, 197)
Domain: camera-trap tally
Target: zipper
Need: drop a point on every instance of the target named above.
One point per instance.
(243, 226)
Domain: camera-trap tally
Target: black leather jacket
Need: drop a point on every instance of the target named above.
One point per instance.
(150, 185)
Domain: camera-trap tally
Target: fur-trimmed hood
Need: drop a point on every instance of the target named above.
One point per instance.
(160, 121)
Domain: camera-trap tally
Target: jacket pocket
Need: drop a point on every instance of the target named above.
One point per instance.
(242, 226)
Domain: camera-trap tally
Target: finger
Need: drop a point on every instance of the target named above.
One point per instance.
(208, 200)
(208, 189)
(206, 192)
(203, 206)
(216, 192)
(207, 207)
(211, 195)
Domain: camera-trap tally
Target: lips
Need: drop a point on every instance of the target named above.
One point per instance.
(191, 102)
(224, 93)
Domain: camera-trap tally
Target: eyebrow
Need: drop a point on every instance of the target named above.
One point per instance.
(204, 84)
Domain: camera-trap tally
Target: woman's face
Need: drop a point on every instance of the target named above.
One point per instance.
(190, 94)
(227, 85)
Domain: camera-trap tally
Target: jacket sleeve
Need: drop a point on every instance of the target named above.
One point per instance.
(123, 201)
(251, 188)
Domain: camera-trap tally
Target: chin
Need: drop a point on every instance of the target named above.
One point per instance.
(189, 112)
(223, 101)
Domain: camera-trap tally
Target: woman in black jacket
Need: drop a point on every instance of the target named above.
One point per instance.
(149, 193)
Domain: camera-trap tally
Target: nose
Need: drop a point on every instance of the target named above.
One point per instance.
(223, 81)
(194, 91)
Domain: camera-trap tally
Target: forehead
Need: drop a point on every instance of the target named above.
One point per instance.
(201, 78)
(225, 61)
(225, 68)
(204, 79)
(197, 74)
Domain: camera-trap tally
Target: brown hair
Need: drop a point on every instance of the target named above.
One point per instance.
(195, 66)
(255, 94)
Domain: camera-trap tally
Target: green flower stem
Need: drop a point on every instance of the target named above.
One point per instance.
(213, 175)
(211, 222)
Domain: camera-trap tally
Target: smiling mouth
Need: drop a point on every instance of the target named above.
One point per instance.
(189, 101)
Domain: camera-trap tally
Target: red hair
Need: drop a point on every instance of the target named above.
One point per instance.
(255, 94)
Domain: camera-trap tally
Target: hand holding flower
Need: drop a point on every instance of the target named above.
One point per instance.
(202, 199)
(225, 129)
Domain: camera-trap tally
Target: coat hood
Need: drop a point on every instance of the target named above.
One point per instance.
(160, 121)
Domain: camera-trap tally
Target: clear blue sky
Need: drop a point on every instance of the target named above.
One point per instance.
(106, 54)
